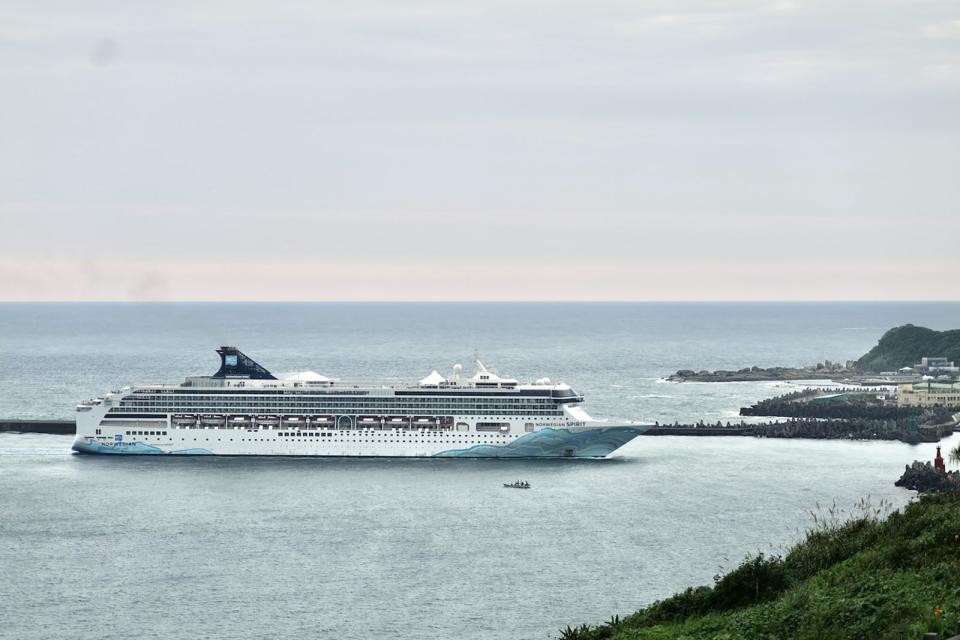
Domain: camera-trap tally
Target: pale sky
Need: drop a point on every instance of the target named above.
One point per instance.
(481, 150)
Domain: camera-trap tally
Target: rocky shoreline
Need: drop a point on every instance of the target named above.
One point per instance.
(822, 371)
(923, 477)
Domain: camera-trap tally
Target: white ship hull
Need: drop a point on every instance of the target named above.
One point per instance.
(255, 414)
(555, 440)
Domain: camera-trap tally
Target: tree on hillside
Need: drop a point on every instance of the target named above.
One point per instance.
(955, 454)
(904, 346)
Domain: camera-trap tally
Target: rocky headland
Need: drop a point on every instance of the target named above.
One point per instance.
(899, 347)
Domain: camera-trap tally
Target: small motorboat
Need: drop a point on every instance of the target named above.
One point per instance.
(519, 484)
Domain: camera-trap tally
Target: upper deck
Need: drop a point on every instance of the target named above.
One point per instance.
(240, 376)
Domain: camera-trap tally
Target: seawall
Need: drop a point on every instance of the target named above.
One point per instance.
(65, 427)
(699, 431)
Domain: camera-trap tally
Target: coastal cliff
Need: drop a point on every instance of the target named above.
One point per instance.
(904, 346)
(899, 347)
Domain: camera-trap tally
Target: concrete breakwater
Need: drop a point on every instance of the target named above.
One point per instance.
(695, 430)
(811, 429)
(61, 427)
(859, 413)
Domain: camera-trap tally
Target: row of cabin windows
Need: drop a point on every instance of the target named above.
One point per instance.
(480, 427)
(297, 434)
(386, 404)
(345, 410)
(351, 427)
(460, 441)
(361, 423)
(312, 434)
(343, 398)
(271, 409)
(346, 397)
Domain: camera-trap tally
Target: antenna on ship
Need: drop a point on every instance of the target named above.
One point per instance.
(479, 365)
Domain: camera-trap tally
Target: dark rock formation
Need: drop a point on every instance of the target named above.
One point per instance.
(924, 478)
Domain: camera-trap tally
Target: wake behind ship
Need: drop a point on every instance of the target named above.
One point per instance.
(243, 409)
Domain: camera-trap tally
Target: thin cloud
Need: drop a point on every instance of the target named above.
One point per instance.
(607, 146)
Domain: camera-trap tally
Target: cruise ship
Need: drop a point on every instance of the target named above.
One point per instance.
(244, 410)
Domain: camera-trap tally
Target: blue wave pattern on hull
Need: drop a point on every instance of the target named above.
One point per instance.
(553, 443)
(133, 448)
(546, 443)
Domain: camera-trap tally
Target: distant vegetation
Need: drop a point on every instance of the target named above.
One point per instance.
(862, 578)
(904, 346)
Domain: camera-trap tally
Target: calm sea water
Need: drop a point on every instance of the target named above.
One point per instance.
(95, 547)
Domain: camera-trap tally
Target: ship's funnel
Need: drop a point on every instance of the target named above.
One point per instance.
(234, 364)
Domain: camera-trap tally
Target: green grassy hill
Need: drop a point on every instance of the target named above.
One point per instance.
(904, 346)
(862, 579)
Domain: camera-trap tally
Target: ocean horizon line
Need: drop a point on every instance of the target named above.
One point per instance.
(503, 301)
